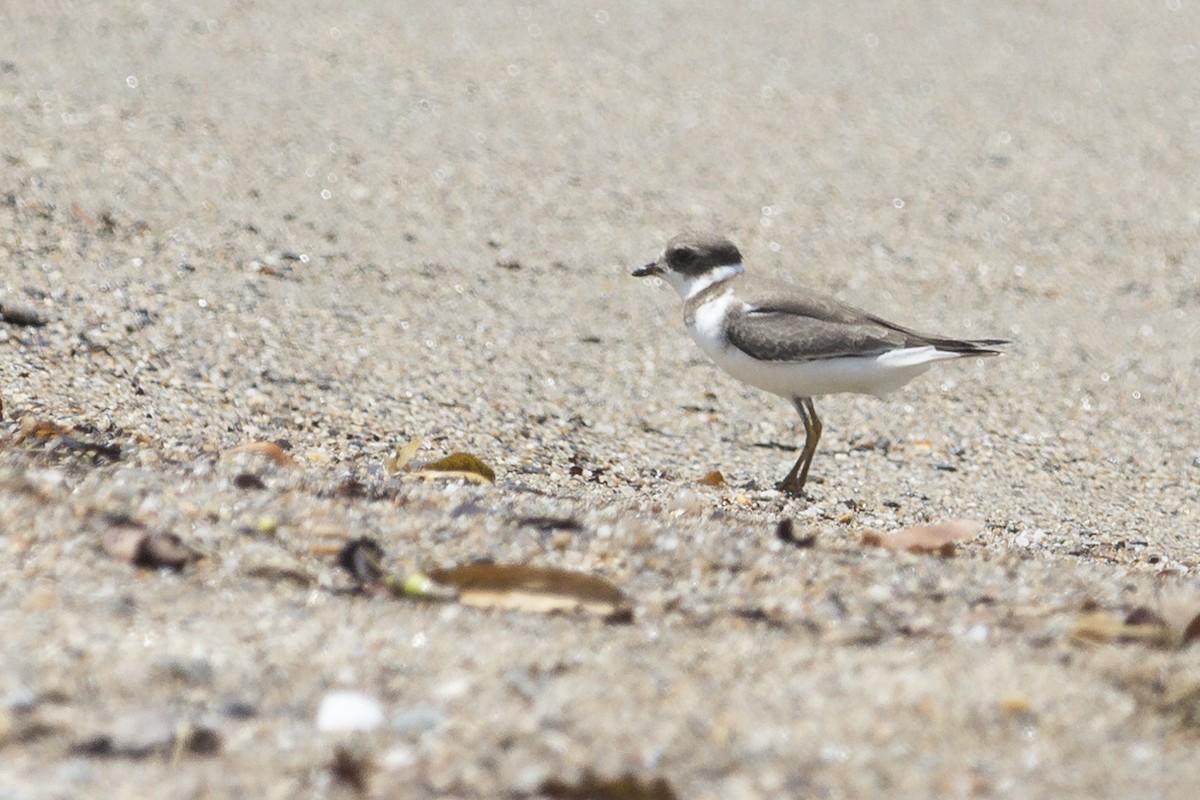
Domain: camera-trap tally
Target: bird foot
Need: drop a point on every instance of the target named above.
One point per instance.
(793, 488)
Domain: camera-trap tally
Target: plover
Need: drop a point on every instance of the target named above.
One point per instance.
(792, 342)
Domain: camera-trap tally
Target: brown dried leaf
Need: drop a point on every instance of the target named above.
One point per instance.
(938, 538)
(1095, 627)
(1181, 617)
(625, 787)
(402, 456)
(538, 589)
(714, 479)
(63, 440)
(1015, 704)
(1175, 624)
(550, 523)
(1191, 631)
(460, 465)
(1144, 616)
(281, 573)
(450, 475)
(268, 449)
(1101, 627)
(34, 428)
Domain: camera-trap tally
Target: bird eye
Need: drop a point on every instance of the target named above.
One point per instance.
(681, 256)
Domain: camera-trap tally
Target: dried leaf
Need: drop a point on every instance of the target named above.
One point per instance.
(268, 449)
(938, 538)
(1174, 624)
(280, 573)
(1178, 614)
(546, 524)
(450, 475)
(420, 586)
(402, 456)
(1144, 616)
(460, 465)
(351, 489)
(538, 589)
(60, 439)
(1191, 631)
(714, 479)
(266, 525)
(94, 450)
(1096, 627)
(1015, 704)
(625, 787)
(1100, 627)
(33, 428)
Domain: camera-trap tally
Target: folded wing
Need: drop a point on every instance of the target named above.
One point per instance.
(822, 327)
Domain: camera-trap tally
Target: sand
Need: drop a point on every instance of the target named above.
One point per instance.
(347, 226)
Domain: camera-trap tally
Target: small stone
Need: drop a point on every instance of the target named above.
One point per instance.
(192, 671)
(237, 708)
(348, 710)
(20, 700)
(418, 719)
(976, 634)
(22, 315)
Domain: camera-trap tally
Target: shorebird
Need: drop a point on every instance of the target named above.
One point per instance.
(792, 342)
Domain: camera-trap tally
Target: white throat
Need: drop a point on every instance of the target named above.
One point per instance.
(690, 285)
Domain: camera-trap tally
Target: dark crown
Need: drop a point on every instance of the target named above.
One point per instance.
(696, 253)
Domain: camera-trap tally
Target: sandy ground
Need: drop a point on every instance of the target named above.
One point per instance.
(351, 225)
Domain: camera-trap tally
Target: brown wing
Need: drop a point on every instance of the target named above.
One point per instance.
(772, 335)
(819, 327)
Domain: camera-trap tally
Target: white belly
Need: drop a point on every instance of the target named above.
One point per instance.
(873, 374)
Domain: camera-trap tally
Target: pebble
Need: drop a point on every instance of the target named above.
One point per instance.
(25, 316)
(418, 719)
(21, 700)
(348, 710)
(190, 670)
(976, 634)
(238, 708)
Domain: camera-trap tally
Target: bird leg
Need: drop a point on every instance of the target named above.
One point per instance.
(794, 482)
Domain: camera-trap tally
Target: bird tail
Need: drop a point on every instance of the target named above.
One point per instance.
(967, 347)
(961, 347)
